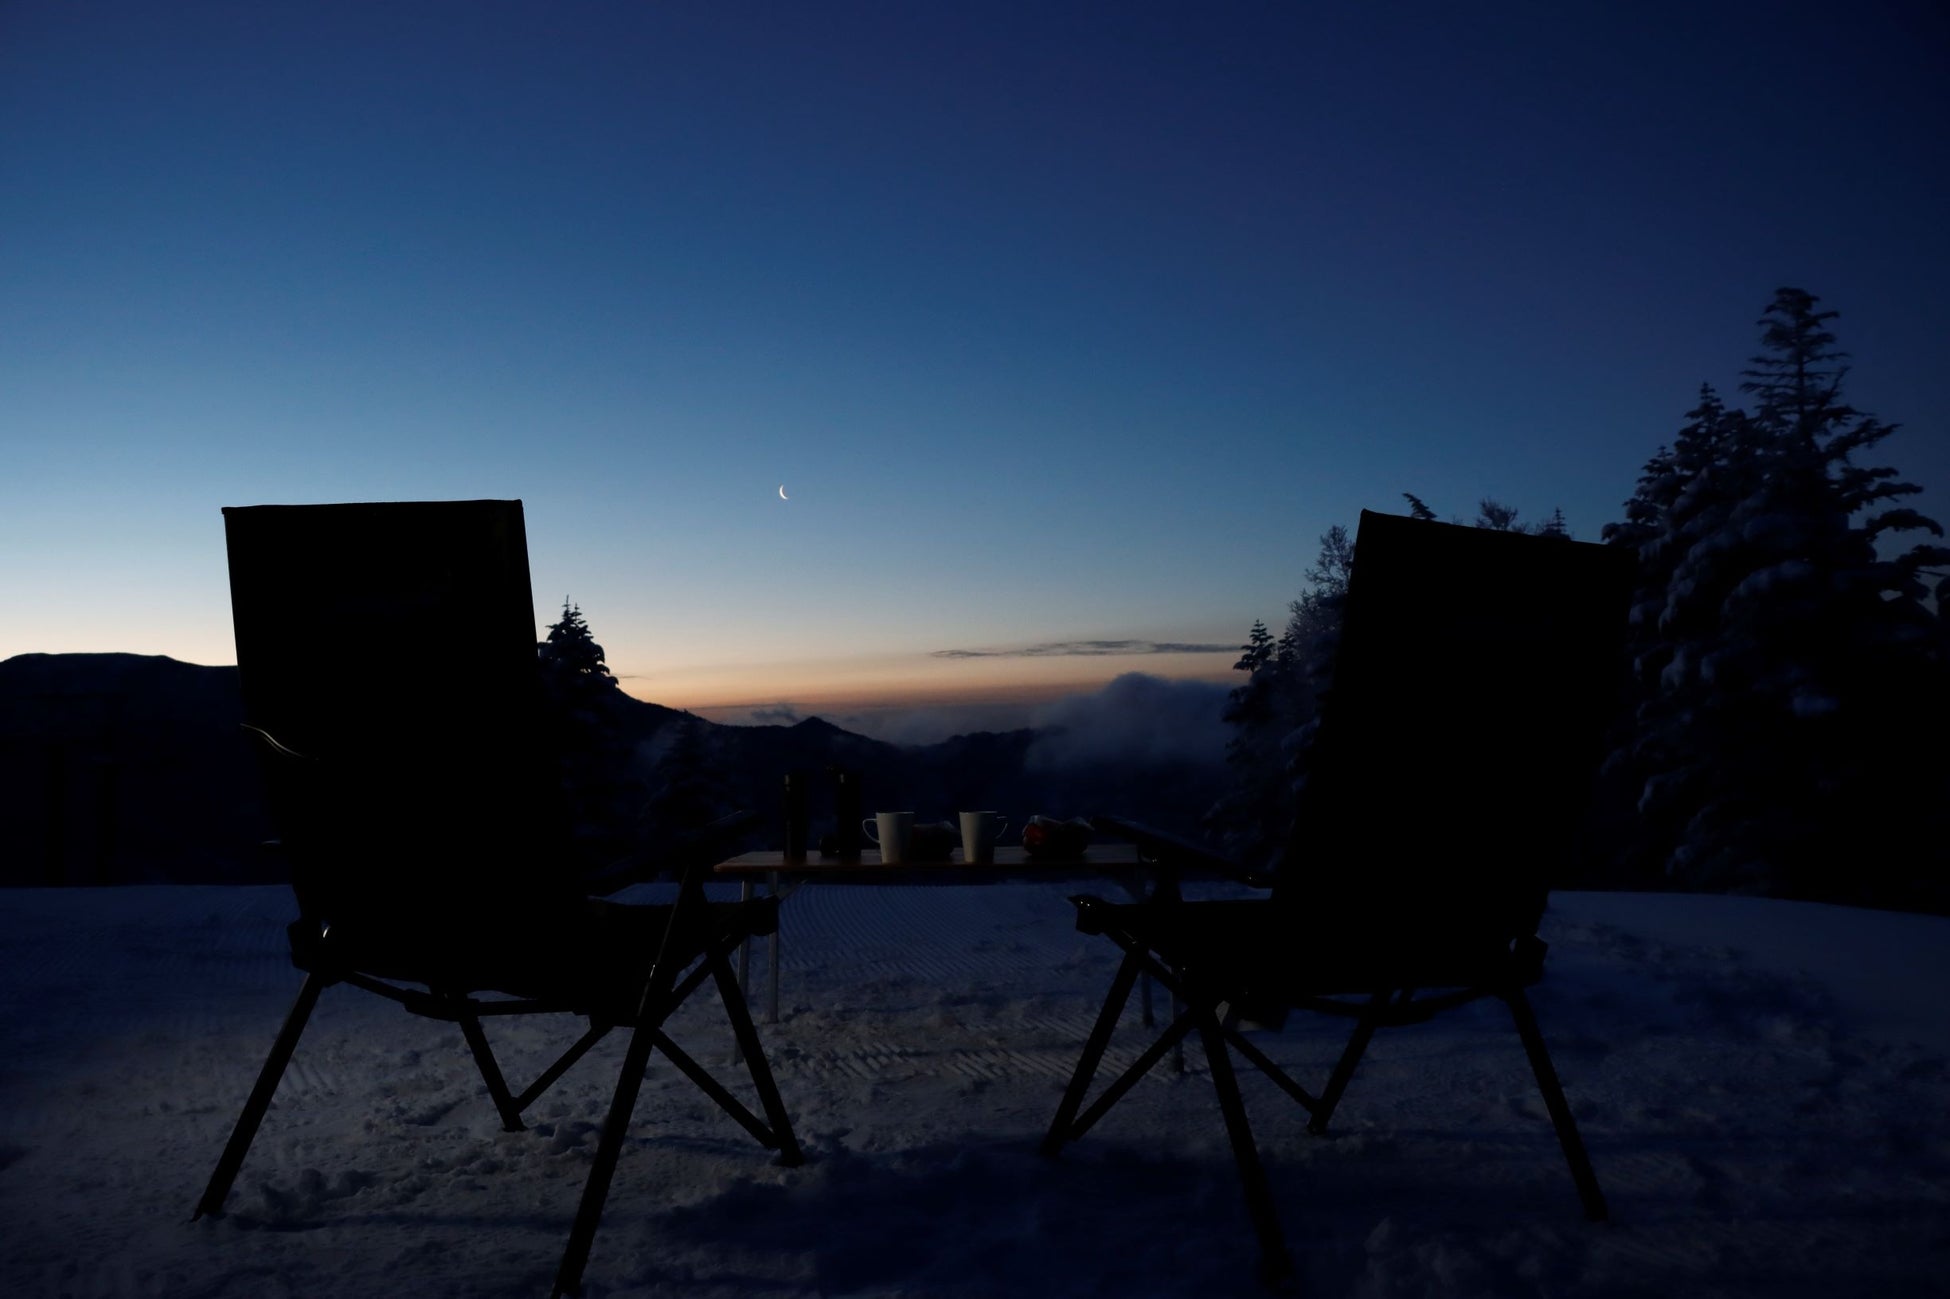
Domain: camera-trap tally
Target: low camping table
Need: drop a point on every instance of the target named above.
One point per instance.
(1120, 862)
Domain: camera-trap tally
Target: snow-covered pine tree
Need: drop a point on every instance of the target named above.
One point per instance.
(1686, 492)
(1273, 710)
(1783, 662)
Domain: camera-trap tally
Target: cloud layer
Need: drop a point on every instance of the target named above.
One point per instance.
(1087, 649)
(1136, 718)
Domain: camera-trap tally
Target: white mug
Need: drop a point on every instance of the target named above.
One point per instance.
(890, 832)
(979, 831)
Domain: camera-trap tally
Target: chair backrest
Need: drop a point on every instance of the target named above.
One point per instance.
(1460, 737)
(391, 647)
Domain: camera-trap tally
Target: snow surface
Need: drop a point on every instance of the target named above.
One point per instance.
(1763, 1086)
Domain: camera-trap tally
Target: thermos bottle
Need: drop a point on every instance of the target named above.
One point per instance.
(848, 807)
(796, 823)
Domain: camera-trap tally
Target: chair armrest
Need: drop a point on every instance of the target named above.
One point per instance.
(271, 744)
(1176, 850)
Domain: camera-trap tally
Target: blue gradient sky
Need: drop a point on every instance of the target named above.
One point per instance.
(1059, 323)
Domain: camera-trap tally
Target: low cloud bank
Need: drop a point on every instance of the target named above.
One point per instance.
(1136, 718)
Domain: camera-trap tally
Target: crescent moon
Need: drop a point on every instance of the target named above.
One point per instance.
(782, 495)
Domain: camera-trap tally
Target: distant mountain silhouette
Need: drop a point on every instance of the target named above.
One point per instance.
(981, 770)
(124, 768)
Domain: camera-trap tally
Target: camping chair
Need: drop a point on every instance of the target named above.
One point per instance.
(1458, 741)
(387, 656)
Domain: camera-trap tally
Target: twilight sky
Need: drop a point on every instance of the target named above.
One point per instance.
(1065, 327)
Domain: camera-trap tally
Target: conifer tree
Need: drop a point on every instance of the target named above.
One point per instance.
(572, 659)
(1252, 709)
(1687, 491)
(1781, 659)
(583, 708)
(1271, 710)
(1257, 649)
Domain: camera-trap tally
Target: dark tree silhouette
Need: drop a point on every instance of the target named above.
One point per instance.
(572, 660)
(1272, 712)
(1496, 516)
(1785, 666)
(583, 706)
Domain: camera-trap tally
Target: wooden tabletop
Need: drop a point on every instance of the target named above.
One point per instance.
(1013, 863)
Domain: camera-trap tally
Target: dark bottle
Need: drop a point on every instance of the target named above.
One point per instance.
(797, 825)
(847, 811)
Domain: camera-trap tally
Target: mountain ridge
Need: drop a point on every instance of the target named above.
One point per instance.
(129, 768)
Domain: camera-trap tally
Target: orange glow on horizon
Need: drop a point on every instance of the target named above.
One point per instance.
(909, 682)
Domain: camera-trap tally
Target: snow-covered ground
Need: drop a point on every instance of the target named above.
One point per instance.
(1763, 1087)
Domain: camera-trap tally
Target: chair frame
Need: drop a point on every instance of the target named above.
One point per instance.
(696, 944)
(667, 985)
(1382, 997)
(1218, 1026)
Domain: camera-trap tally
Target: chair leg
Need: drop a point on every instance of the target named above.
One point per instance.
(239, 1144)
(1274, 1260)
(717, 1092)
(1357, 1046)
(1560, 1109)
(589, 1212)
(754, 1054)
(1278, 1076)
(564, 1062)
(1172, 1040)
(504, 1103)
(1093, 1054)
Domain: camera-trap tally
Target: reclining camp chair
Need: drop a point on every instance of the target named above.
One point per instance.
(388, 661)
(1458, 742)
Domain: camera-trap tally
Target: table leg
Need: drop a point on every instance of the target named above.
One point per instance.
(772, 882)
(745, 892)
(745, 948)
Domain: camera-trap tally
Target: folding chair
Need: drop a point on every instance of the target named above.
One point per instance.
(1458, 743)
(387, 655)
